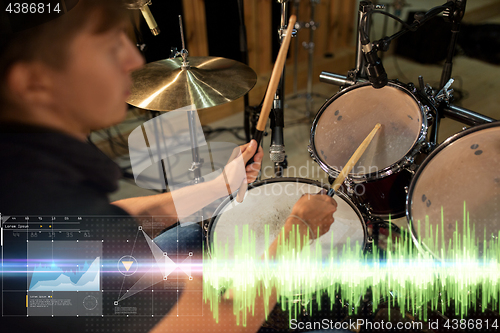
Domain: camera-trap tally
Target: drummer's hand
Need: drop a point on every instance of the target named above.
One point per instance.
(248, 150)
(235, 171)
(317, 210)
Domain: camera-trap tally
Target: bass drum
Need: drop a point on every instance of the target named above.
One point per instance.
(379, 180)
(270, 202)
(459, 181)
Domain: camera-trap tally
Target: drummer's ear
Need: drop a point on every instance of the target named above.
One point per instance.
(29, 83)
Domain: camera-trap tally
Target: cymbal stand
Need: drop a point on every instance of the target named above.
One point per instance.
(312, 26)
(195, 153)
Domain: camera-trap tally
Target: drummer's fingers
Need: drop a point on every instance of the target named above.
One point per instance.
(323, 196)
(333, 202)
(259, 155)
(253, 167)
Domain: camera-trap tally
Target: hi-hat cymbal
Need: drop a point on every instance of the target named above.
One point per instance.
(208, 81)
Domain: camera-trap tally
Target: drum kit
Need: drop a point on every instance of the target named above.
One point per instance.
(404, 171)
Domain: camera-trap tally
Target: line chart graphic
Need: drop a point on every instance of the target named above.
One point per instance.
(53, 278)
(64, 266)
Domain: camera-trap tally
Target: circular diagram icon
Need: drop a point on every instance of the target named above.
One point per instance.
(90, 302)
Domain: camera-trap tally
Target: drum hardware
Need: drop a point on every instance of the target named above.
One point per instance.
(445, 97)
(143, 6)
(428, 113)
(277, 151)
(366, 208)
(296, 5)
(309, 149)
(337, 79)
(407, 187)
(349, 185)
(444, 94)
(407, 161)
(465, 116)
(309, 46)
(442, 99)
(360, 68)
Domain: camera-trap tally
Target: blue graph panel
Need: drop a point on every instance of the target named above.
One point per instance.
(64, 265)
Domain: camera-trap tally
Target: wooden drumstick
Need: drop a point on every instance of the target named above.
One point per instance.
(271, 91)
(353, 160)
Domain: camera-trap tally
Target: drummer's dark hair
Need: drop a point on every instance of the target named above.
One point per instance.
(48, 42)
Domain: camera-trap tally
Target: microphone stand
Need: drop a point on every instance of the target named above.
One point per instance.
(277, 149)
(359, 70)
(454, 15)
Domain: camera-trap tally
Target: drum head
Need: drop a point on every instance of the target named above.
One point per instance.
(270, 202)
(461, 176)
(346, 120)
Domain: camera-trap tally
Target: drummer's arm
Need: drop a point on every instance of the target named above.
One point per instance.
(190, 199)
(163, 204)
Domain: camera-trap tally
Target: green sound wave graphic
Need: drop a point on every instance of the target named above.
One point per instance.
(466, 271)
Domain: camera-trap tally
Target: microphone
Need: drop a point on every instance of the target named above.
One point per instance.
(376, 72)
(143, 5)
(277, 149)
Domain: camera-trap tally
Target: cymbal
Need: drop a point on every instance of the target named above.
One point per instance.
(208, 81)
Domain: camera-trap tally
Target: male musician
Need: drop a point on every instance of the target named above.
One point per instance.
(59, 81)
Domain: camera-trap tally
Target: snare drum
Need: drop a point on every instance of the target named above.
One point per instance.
(379, 178)
(270, 202)
(461, 176)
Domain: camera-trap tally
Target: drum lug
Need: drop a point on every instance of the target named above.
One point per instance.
(309, 149)
(311, 153)
(349, 186)
(408, 161)
(406, 189)
(428, 112)
(427, 147)
(412, 88)
(367, 210)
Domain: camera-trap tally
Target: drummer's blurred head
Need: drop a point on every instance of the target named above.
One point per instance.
(71, 73)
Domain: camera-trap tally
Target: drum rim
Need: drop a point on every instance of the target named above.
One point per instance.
(213, 222)
(402, 163)
(420, 170)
